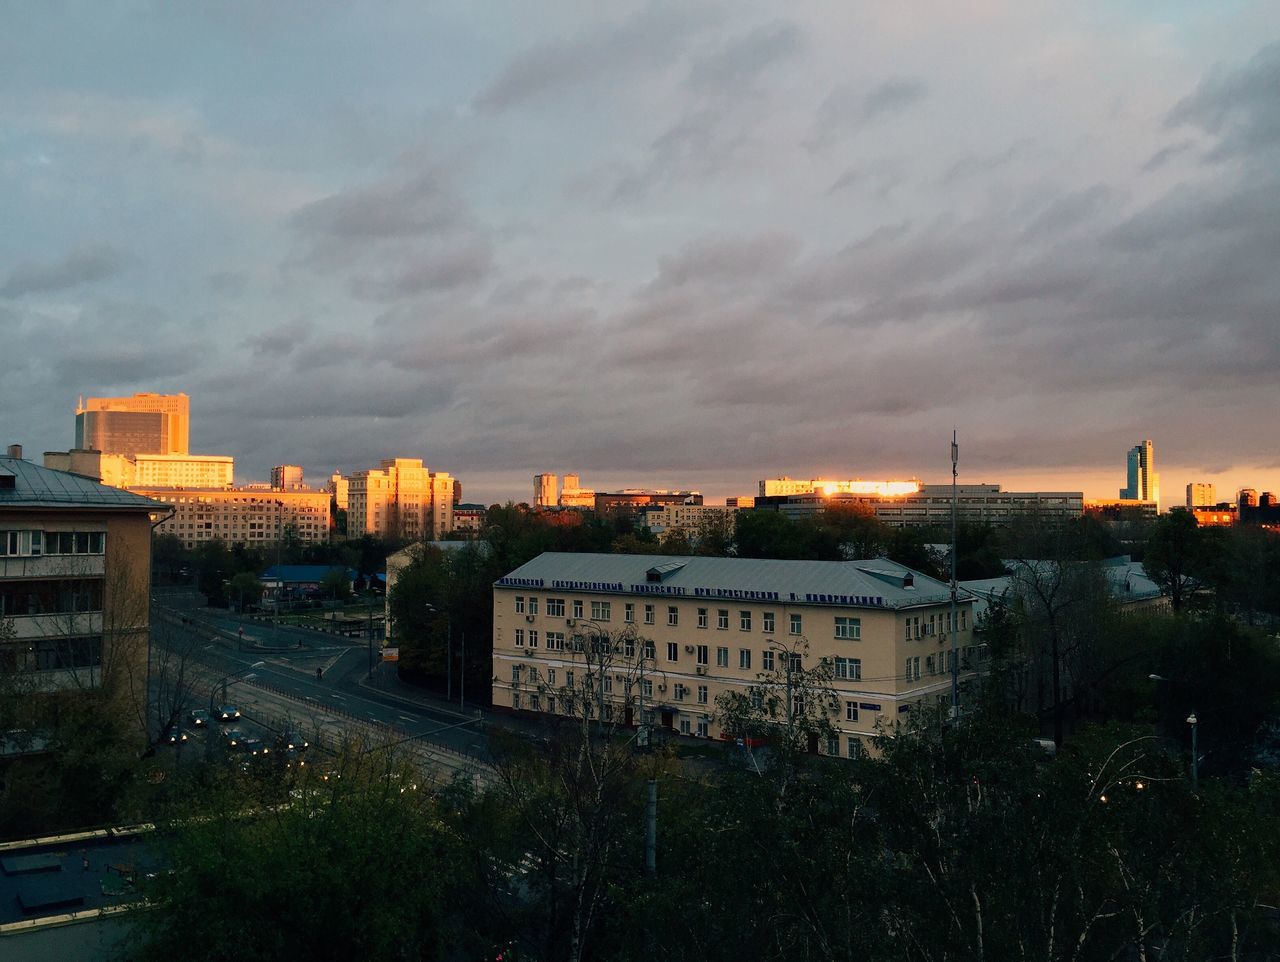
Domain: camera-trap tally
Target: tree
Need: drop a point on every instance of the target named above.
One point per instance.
(246, 590)
(1178, 557)
(335, 585)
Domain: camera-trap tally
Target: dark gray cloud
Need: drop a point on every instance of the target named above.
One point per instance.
(1239, 106)
(848, 108)
(84, 265)
(651, 38)
(739, 63)
(437, 268)
(405, 207)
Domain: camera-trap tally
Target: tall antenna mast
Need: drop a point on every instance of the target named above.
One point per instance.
(955, 624)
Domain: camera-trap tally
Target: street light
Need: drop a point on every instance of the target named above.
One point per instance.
(448, 657)
(1195, 725)
(237, 675)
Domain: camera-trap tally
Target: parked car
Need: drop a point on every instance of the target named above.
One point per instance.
(228, 713)
(198, 717)
(234, 738)
(175, 735)
(253, 745)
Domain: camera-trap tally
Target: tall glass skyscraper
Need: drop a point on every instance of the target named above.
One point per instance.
(1144, 481)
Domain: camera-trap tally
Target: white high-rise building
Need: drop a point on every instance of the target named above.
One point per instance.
(1201, 494)
(1143, 480)
(544, 490)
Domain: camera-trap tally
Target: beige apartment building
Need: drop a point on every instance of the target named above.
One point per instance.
(146, 470)
(401, 499)
(242, 515)
(139, 424)
(930, 504)
(689, 519)
(703, 626)
(75, 583)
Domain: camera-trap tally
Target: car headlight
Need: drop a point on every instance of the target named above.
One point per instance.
(266, 751)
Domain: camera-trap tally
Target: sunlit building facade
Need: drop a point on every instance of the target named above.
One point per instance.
(1143, 479)
(146, 470)
(401, 499)
(249, 516)
(930, 505)
(1201, 494)
(140, 424)
(702, 626)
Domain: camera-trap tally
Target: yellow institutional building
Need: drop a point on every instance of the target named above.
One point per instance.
(691, 627)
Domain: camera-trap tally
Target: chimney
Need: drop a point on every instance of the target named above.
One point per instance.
(15, 451)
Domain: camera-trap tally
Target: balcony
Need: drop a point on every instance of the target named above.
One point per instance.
(54, 566)
(69, 624)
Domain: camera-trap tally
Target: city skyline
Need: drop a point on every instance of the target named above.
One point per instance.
(661, 244)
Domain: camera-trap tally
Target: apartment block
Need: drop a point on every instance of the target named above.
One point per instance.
(146, 470)
(544, 490)
(401, 499)
(689, 519)
(75, 582)
(1201, 494)
(287, 477)
(695, 627)
(783, 487)
(242, 515)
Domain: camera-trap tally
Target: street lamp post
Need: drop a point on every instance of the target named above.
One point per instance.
(1195, 752)
(235, 674)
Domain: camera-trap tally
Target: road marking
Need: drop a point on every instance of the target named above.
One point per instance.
(407, 718)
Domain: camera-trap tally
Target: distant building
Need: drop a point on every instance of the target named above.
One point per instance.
(574, 495)
(1118, 509)
(75, 582)
(703, 626)
(930, 504)
(1201, 494)
(782, 487)
(544, 490)
(1143, 480)
(633, 499)
(286, 582)
(689, 519)
(141, 424)
(1216, 516)
(741, 502)
(338, 487)
(401, 499)
(257, 517)
(146, 470)
(287, 477)
(469, 518)
(1247, 498)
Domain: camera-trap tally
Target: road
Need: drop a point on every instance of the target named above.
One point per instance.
(284, 686)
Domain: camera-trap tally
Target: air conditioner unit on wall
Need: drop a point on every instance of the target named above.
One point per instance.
(688, 649)
(702, 669)
(528, 618)
(662, 687)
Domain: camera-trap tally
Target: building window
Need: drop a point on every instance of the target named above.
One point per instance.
(851, 711)
(849, 669)
(849, 628)
(722, 657)
(515, 674)
(629, 646)
(722, 619)
(796, 665)
(684, 726)
(744, 621)
(646, 688)
(744, 658)
(648, 650)
(704, 728)
(702, 617)
(766, 660)
(515, 700)
(535, 702)
(568, 680)
(768, 623)
(702, 654)
(601, 610)
(629, 613)
(519, 637)
(855, 746)
(607, 683)
(551, 675)
(533, 606)
(673, 651)
(833, 744)
(673, 616)
(678, 692)
(577, 607)
(555, 607)
(796, 627)
(963, 620)
(648, 614)
(519, 604)
(63, 653)
(555, 641)
(702, 694)
(533, 639)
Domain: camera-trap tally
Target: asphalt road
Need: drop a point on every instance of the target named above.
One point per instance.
(292, 673)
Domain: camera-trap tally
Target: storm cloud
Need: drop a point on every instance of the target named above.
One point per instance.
(658, 243)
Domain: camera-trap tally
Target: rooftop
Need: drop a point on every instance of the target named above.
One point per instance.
(37, 487)
(874, 583)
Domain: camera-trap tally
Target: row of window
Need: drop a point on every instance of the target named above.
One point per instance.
(19, 598)
(916, 628)
(845, 627)
(35, 542)
(52, 654)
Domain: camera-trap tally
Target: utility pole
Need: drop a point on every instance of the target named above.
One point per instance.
(955, 624)
(448, 660)
(462, 674)
(1195, 759)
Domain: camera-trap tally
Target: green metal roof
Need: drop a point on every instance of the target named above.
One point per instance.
(37, 487)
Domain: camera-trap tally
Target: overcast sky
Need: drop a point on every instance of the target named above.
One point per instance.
(666, 244)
